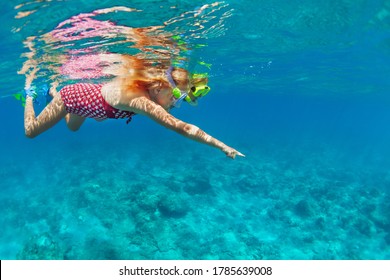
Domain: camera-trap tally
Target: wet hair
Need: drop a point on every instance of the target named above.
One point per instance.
(199, 80)
(150, 76)
(182, 78)
(157, 77)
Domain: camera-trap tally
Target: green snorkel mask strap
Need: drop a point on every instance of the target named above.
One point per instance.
(176, 92)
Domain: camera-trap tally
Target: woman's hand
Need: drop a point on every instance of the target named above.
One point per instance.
(232, 153)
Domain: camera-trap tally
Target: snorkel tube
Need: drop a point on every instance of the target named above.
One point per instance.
(176, 92)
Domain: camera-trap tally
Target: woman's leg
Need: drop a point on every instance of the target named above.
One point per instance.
(50, 115)
(74, 121)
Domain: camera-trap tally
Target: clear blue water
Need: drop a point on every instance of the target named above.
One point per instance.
(301, 88)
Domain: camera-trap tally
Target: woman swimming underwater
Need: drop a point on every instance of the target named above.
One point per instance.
(133, 84)
(145, 90)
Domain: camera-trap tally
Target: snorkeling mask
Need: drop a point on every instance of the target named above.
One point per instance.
(195, 91)
(200, 91)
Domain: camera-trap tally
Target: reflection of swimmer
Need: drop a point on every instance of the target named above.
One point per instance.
(146, 89)
(61, 54)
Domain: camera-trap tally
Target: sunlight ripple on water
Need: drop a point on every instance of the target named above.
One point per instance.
(70, 51)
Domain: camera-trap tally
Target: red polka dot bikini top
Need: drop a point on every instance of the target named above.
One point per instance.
(86, 100)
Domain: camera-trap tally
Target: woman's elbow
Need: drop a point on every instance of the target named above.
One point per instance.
(30, 133)
(190, 130)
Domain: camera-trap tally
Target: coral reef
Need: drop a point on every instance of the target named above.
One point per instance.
(93, 208)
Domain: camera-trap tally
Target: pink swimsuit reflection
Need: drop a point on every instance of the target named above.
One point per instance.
(85, 63)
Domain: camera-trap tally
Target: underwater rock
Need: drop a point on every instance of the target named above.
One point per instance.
(173, 206)
(303, 209)
(197, 186)
(99, 249)
(387, 239)
(320, 223)
(364, 226)
(147, 202)
(41, 247)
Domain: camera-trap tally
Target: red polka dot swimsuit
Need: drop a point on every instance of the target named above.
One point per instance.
(86, 100)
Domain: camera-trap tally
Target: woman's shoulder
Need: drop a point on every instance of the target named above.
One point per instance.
(122, 89)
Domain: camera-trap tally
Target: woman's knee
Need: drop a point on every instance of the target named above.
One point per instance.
(74, 122)
(73, 128)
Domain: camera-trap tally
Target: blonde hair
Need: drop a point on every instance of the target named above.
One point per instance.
(183, 78)
(180, 77)
(147, 75)
(199, 80)
(154, 77)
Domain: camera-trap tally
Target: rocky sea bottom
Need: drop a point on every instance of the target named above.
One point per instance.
(104, 203)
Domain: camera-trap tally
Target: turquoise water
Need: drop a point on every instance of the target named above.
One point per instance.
(301, 88)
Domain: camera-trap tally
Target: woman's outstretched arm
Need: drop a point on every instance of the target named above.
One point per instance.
(144, 106)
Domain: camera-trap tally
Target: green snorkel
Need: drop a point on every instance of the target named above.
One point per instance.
(200, 91)
(194, 93)
(17, 96)
(22, 96)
